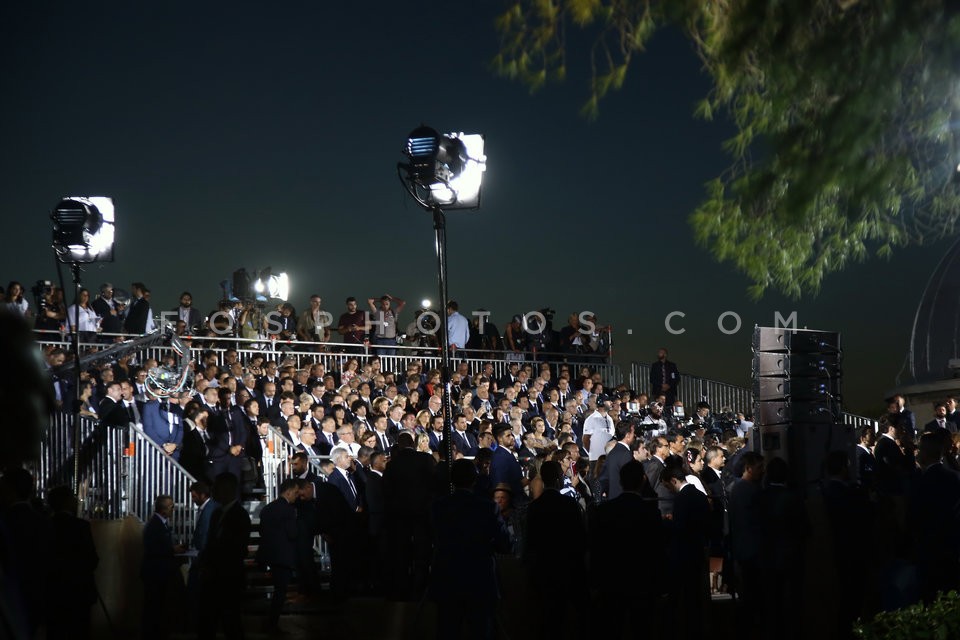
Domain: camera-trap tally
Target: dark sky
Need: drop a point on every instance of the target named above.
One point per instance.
(254, 134)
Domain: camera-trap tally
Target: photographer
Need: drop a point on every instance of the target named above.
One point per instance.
(50, 308)
(422, 333)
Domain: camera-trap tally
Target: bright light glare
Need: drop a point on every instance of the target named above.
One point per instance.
(279, 286)
(464, 189)
(97, 243)
(258, 286)
(425, 303)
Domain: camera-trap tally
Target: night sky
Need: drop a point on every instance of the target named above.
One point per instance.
(266, 134)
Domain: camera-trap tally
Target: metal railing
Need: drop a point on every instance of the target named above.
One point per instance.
(153, 473)
(694, 389)
(122, 471)
(301, 354)
(102, 464)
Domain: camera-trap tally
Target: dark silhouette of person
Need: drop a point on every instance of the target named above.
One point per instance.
(548, 516)
(222, 573)
(631, 519)
(468, 531)
(158, 569)
(408, 483)
(277, 549)
(73, 560)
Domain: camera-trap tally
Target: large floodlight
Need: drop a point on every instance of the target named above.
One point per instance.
(444, 170)
(83, 230)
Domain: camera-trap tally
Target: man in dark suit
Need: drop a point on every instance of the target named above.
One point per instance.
(548, 514)
(408, 491)
(620, 455)
(633, 517)
(940, 420)
(158, 567)
(308, 442)
(278, 536)
(188, 313)
(222, 578)
(228, 437)
(465, 441)
(342, 480)
(504, 467)
(468, 531)
(906, 420)
(659, 449)
(893, 466)
(136, 320)
(376, 515)
(686, 554)
(664, 378)
(866, 461)
(195, 454)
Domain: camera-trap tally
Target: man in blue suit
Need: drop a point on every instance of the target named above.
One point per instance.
(163, 423)
(504, 467)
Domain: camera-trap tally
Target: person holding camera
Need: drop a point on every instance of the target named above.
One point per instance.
(50, 308)
(385, 323)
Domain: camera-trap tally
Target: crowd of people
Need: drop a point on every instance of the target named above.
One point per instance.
(556, 450)
(377, 326)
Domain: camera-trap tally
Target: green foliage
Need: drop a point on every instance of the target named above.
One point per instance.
(847, 115)
(938, 621)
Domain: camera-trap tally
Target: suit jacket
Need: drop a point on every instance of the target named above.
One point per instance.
(194, 319)
(375, 502)
(505, 468)
(610, 476)
(867, 468)
(195, 455)
(435, 440)
(690, 528)
(278, 535)
(631, 517)
(379, 446)
(201, 529)
(157, 418)
(933, 425)
(549, 514)
(892, 466)
(465, 442)
(112, 414)
(350, 494)
(408, 484)
(226, 547)
(136, 320)
(111, 323)
(654, 468)
(225, 432)
(468, 531)
(158, 560)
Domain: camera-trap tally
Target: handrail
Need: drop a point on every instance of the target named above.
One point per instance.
(153, 472)
(278, 452)
(103, 464)
(429, 358)
(694, 389)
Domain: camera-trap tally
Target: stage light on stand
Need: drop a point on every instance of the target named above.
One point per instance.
(444, 170)
(83, 229)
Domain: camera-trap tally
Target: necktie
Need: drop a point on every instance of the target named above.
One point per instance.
(383, 442)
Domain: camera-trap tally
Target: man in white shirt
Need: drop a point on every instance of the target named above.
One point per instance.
(458, 328)
(598, 430)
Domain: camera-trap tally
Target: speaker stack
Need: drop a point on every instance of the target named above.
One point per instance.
(797, 401)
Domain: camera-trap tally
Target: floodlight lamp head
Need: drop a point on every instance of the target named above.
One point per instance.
(83, 229)
(444, 171)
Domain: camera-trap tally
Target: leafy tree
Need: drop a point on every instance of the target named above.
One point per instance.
(847, 116)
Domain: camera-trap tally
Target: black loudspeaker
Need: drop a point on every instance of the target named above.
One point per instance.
(796, 384)
(817, 365)
(769, 413)
(797, 389)
(779, 339)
